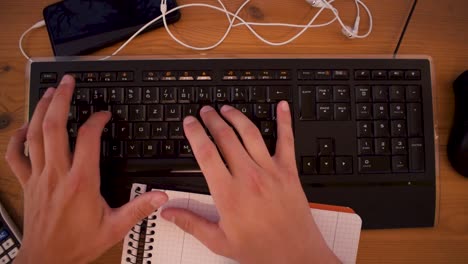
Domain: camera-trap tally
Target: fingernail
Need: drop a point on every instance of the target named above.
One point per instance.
(285, 106)
(49, 92)
(189, 120)
(159, 200)
(206, 108)
(67, 79)
(226, 108)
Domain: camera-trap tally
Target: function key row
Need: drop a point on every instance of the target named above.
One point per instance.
(387, 75)
(91, 77)
(153, 76)
(245, 75)
(323, 74)
(393, 93)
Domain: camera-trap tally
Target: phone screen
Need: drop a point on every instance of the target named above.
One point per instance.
(77, 27)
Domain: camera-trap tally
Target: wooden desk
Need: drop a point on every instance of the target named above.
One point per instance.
(437, 29)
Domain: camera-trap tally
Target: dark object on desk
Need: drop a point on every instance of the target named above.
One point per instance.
(457, 147)
(78, 27)
(363, 127)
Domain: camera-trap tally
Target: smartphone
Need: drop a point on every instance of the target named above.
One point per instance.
(79, 27)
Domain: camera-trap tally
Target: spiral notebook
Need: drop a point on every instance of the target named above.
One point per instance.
(157, 241)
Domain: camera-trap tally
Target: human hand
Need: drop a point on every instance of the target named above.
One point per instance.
(66, 220)
(264, 214)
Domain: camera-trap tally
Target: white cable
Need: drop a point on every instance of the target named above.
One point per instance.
(37, 25)
(232, 17)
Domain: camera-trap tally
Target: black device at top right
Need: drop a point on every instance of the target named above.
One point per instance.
(364, 132)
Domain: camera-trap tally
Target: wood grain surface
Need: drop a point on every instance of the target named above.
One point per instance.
(437, 29)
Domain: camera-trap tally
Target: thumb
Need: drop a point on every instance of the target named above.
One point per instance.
(125, 217)
(208, 233)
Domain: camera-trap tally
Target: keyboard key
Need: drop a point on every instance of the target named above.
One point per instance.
(108, 131)
(305, 74)
(374, 164)
(397, 111)
(363, 111)
(168, 95)
(77, 75)
(246, 109)
(398, 128)
(325, 112)
(365, 146)
(363, 94)
(364, 129)
(398, 146)
(262, 111)
(133, 95)
(90, 77)
(340, 75)
(84, 112)
(155, 113)
(230, 75)
(266, 75)
(413, 75)
(221, 94)
(326, 147)
(400, 164)
(381, 128)
(82, 96)
(203, 75)
(125, 76)
(326, 165)
(123, 131)
(190, 110)
(108, 76)
(141, 130)
(342, 112)
(380, 111)
(283, 75)
(150, 148)
(238, 94)
(307, 102)
(203, 95)
(278, 93)
(176, 130)
(397, 93)
(395, 75)
(116, 95)
(361, 75)
(5, 260)
(159, 130)
(120, 112)
(341, 94)
(133, 149)
(413, 93)
(186, 95)
(416, 154)
(48, 77)
(150, 95)
(309, 165)
(267, 128)
(137, 113)
(414, 118)
(248, 75)
(379, 75)
(344, 165)
(323, 93)
(150, 76)
(98, 96)
(380, 93)
(168, 148)
(322, 75)
(116, 149)
(257, 94)
(72, 114)
(72, 129)
(185, 150)
(173, 112)
(382, 146)
(186, 76)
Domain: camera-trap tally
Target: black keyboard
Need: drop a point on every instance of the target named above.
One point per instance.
(363, 127)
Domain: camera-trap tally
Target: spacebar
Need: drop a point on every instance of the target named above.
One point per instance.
(140, 165)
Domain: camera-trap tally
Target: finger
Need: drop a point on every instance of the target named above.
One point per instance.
(87, 153)
(34, 135)
(127, 216)
(216, 174)
(251, 137)
(227, 141)
(18, 162)
(56, 145)
(208, 233)
(285, 143)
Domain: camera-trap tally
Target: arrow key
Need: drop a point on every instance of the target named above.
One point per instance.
(326, 165)
(344, 165)
(309, 165)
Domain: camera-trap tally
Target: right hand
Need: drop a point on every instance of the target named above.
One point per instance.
(264, 214)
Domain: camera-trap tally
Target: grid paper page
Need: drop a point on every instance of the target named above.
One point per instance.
(341, 232)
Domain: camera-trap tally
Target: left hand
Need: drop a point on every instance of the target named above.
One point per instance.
(66, 220)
